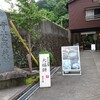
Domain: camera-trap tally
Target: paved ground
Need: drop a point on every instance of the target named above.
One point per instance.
(8, 94)
(84, 87)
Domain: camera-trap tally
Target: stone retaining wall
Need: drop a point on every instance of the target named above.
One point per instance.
(52, 38)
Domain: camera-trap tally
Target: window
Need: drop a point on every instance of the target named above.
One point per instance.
(98, 1)
(97, 11)
(89, 14)
(93, 14)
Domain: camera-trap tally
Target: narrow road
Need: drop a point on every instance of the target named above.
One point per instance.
(83, 87)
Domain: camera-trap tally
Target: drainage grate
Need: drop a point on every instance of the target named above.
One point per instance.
(33, 89)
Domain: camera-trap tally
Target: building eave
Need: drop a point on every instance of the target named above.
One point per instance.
(69, 2)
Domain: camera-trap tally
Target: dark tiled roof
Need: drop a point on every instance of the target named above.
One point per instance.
(70, 1)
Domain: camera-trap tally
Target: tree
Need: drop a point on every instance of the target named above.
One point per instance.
(61, 12)
(58, 8)
(48, 14)
(41, 4)
(26, 17)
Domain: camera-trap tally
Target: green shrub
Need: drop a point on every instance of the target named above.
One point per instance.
(29, 81)
(50, 55)
(32, 80)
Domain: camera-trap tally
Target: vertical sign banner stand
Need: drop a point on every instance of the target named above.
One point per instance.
(93, 47)
(44, 66)
(71, 60)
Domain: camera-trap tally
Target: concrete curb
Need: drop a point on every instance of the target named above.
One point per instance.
(18, 94)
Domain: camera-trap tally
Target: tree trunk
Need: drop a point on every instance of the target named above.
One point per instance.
(29, 55)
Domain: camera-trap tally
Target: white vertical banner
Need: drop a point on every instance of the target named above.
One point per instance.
(93, 47)
(44, 66)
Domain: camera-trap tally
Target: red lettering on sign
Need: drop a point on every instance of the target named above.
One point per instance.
(47, 76)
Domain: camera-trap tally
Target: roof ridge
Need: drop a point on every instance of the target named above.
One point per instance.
(70, 1)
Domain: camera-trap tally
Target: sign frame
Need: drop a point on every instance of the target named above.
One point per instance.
(70, 60)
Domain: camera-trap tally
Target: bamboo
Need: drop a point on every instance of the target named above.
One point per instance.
(21, 39)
